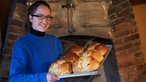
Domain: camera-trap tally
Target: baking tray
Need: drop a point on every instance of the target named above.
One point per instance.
(87, 73)
(79, 74)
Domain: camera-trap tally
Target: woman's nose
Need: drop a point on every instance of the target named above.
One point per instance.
(45, 20)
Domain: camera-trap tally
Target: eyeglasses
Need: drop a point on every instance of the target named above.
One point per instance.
(43, 17)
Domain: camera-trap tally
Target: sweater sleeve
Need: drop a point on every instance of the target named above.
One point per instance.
(18, 67)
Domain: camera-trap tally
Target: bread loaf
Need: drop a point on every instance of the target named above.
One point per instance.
(77, 61)
(102, 49)
(85, 64)
(70, 57)
(76, 49)
(60, 67)
(92, 45)
(95, 54)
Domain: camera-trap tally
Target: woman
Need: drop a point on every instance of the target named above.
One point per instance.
(34, 52)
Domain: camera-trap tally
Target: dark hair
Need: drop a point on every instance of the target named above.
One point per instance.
(32, 9)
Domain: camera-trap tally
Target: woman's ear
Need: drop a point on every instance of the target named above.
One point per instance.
(30, 18)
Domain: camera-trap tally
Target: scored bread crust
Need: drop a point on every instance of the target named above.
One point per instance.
(92, 45)
(77, 66)
(85, 64)
(89, 64)
(102, 49)
(95, 54)
(76, 49)
(60, 67)
(70, 57)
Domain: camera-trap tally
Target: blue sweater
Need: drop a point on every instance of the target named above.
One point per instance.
(32, 56)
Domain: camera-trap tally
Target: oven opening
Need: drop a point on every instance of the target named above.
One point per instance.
(108, 72)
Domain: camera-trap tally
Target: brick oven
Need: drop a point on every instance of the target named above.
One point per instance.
(76, 21)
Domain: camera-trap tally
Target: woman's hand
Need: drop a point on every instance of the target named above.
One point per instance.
(51, 77)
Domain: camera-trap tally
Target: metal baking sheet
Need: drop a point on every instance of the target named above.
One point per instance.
(79, 74)
(87, 73)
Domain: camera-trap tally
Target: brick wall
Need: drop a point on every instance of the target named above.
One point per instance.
(126, 40)
(127, 43)
(15, 31)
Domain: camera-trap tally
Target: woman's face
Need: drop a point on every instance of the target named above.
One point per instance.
(41, 19)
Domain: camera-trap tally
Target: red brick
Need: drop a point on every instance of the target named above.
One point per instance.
(122, 26)
(122, 33)
(18, 23)
(131, 37)
(15, 29)
(132, 73)
(127, 45)
(142, 66)
(12, 36)
(123, 74)
(142, 79)
(133, 29)
(136, 42)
